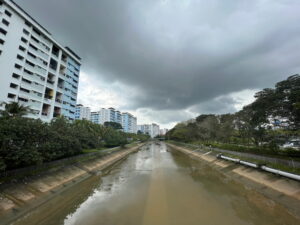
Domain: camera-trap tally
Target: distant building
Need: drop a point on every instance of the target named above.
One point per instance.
(106, 115)
(82, 113)
(36, 70)
(163, 131)
(129, 123)
(96, 117)
(150, 129)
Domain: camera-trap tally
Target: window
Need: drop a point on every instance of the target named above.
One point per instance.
(22, 48)
(27, 23)
(31, 64)
(22, 99)
(7, 13)
(25, 31)
(1, 42)
(18, 66)
(30, 45)
(9, 95)
(26, 81)
(3, 31)
(24, 40)
(12, 85)
(14, 75)
(25, 90)
(5, 22)
(20, 57)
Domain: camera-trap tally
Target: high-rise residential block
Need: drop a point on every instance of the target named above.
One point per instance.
(96, 117)
(106, 115)
(82, 112)
(129, 123)
(150, 129)
(35, 70)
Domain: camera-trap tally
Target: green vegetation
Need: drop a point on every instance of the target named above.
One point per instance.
(250, 129)
(25, 142)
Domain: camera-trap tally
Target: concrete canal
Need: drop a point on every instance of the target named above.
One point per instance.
(159, 186)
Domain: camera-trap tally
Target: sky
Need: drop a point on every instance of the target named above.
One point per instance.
(168, 61)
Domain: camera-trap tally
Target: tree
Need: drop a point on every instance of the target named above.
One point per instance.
(14, 109)
(113, 125)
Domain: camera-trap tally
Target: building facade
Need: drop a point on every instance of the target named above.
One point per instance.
(82, 112)
(36, 70)
(106, 115)
(96, 117)
(129, 123)
(127, 120)
(150, 129)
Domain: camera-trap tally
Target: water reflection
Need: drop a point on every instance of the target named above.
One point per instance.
(157, 186)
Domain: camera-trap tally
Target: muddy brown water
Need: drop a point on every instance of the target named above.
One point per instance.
(158, 186)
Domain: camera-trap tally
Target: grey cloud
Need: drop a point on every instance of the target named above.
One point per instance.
(166, 116)
(223, 104)
(179, 54)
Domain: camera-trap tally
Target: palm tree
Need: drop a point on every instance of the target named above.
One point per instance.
(14, 109)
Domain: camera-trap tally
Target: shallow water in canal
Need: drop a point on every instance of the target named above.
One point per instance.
(158, 186)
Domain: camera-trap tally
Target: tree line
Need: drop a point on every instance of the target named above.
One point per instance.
(250, 126)
(25, 141)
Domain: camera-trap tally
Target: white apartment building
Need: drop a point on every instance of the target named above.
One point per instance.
(129, 123)
(35, 70)
(106, 115)
(82, 112)
(96, 117)
(150, 129)
(127, 120)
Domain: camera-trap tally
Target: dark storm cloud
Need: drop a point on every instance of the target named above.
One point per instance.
(179, 54)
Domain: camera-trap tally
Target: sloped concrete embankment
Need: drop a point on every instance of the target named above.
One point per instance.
(279, 189)
(20, 197)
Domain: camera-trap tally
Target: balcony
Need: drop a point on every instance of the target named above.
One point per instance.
(33, 77)
(35, 69)
(40, 38)
(38, 62)
(35, 96)
(52, 69)
(39, 53)
(25, 85)
(37, 87)
(50, 83)
(48, 98)
(39, 45)
(55, 114)
(33, 105)
(58, 102)
(60, 88)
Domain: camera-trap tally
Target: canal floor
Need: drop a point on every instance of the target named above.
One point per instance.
(159, 186)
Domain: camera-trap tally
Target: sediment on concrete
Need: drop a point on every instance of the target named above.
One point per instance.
(16, 197)
(279, 189)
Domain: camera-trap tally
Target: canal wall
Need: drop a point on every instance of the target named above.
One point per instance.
(21, 196)
(279, 189)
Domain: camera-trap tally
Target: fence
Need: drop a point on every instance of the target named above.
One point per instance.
(287, 162)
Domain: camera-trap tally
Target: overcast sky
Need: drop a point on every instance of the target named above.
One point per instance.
(170, 60)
